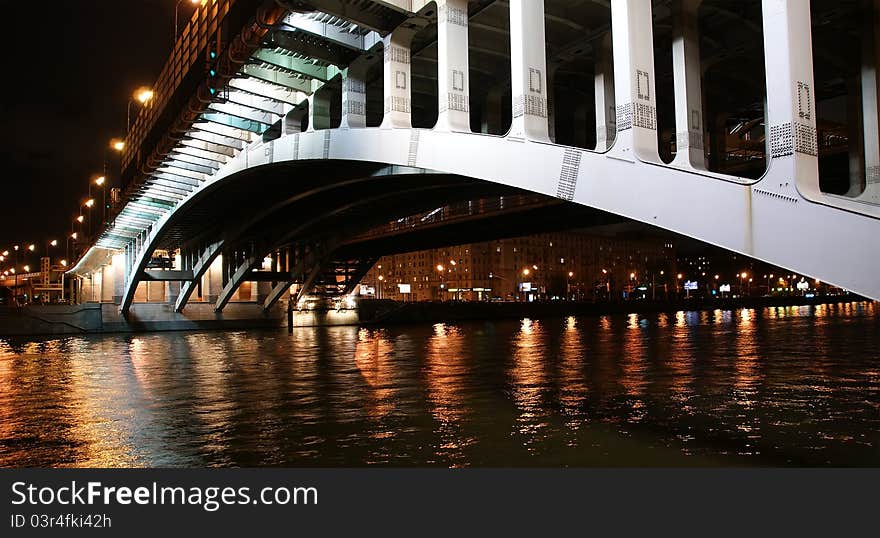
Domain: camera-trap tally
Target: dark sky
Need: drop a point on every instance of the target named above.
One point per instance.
(70, 68)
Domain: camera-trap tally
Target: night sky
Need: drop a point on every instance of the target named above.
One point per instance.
(71, 67)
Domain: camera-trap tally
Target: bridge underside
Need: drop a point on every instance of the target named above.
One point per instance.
(318, 224)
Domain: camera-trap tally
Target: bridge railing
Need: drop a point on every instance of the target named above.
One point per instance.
(457, 211)
(187, 52)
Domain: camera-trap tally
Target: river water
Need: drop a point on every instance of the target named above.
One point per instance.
(775, 386)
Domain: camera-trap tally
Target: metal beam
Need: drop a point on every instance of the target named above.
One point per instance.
(233, 121)
(199, 269)
(172, 176)
(182, 164)
(201, 153)
(279, 78)
(244, 137)
(339, 34)
(180, 154)
(234, 282)
(204, 145)
(268, 90)
(287, 61)
(171, 168)
(166, 276)
(361, 17)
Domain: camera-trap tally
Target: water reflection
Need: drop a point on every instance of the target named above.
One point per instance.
(782, 386)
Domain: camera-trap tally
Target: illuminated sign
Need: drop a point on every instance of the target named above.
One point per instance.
(803, 286)
(525, 286)
(690, 285)
(724, 288)
(405, 288)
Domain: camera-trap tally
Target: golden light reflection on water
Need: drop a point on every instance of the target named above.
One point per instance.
(632, 374)
(662, 320)
(783, 386)
(373, 357)
(528, 378)
(446, 378)
(573, 384)
(681, 363)
(747, 380)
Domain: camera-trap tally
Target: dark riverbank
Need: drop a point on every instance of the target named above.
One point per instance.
(94, 318)
(388, 312)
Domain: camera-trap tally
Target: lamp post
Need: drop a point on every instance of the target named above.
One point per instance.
(176, 15)
(440, 270)
(632, 285)
(381, 279)
(15, 272)
(454, 269)
(89, 204)
(143, 95)
(568, 285)
(100, 181)
(73, 235)
(525, 273)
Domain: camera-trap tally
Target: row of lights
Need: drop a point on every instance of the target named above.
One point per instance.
(141, 95)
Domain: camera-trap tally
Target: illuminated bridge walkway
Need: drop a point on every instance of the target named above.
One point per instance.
(280, 130)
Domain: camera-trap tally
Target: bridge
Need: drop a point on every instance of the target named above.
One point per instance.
(281, 130)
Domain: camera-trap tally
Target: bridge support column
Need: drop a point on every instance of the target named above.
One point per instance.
(634, 88)
(528, 71)
(452, 70)
(213, 281)
(606, 113)
(871, 101)
(354, 95)
(791, 97)
(172, 291)
(118, 265)
(688, 86)
(238, 276)
(397, 79)
(199, 268)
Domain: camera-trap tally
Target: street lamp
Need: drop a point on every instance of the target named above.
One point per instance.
(176, 22)
(381, 278)
(525, 273)
(440, 270)
(142, 95)
(14, 272)
(52, 243)
(117, 144)
(73, 236)
(568, 285)
(100, 181)
(742, 276)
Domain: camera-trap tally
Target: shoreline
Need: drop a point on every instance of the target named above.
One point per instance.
(94, 318)
(438, 312)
